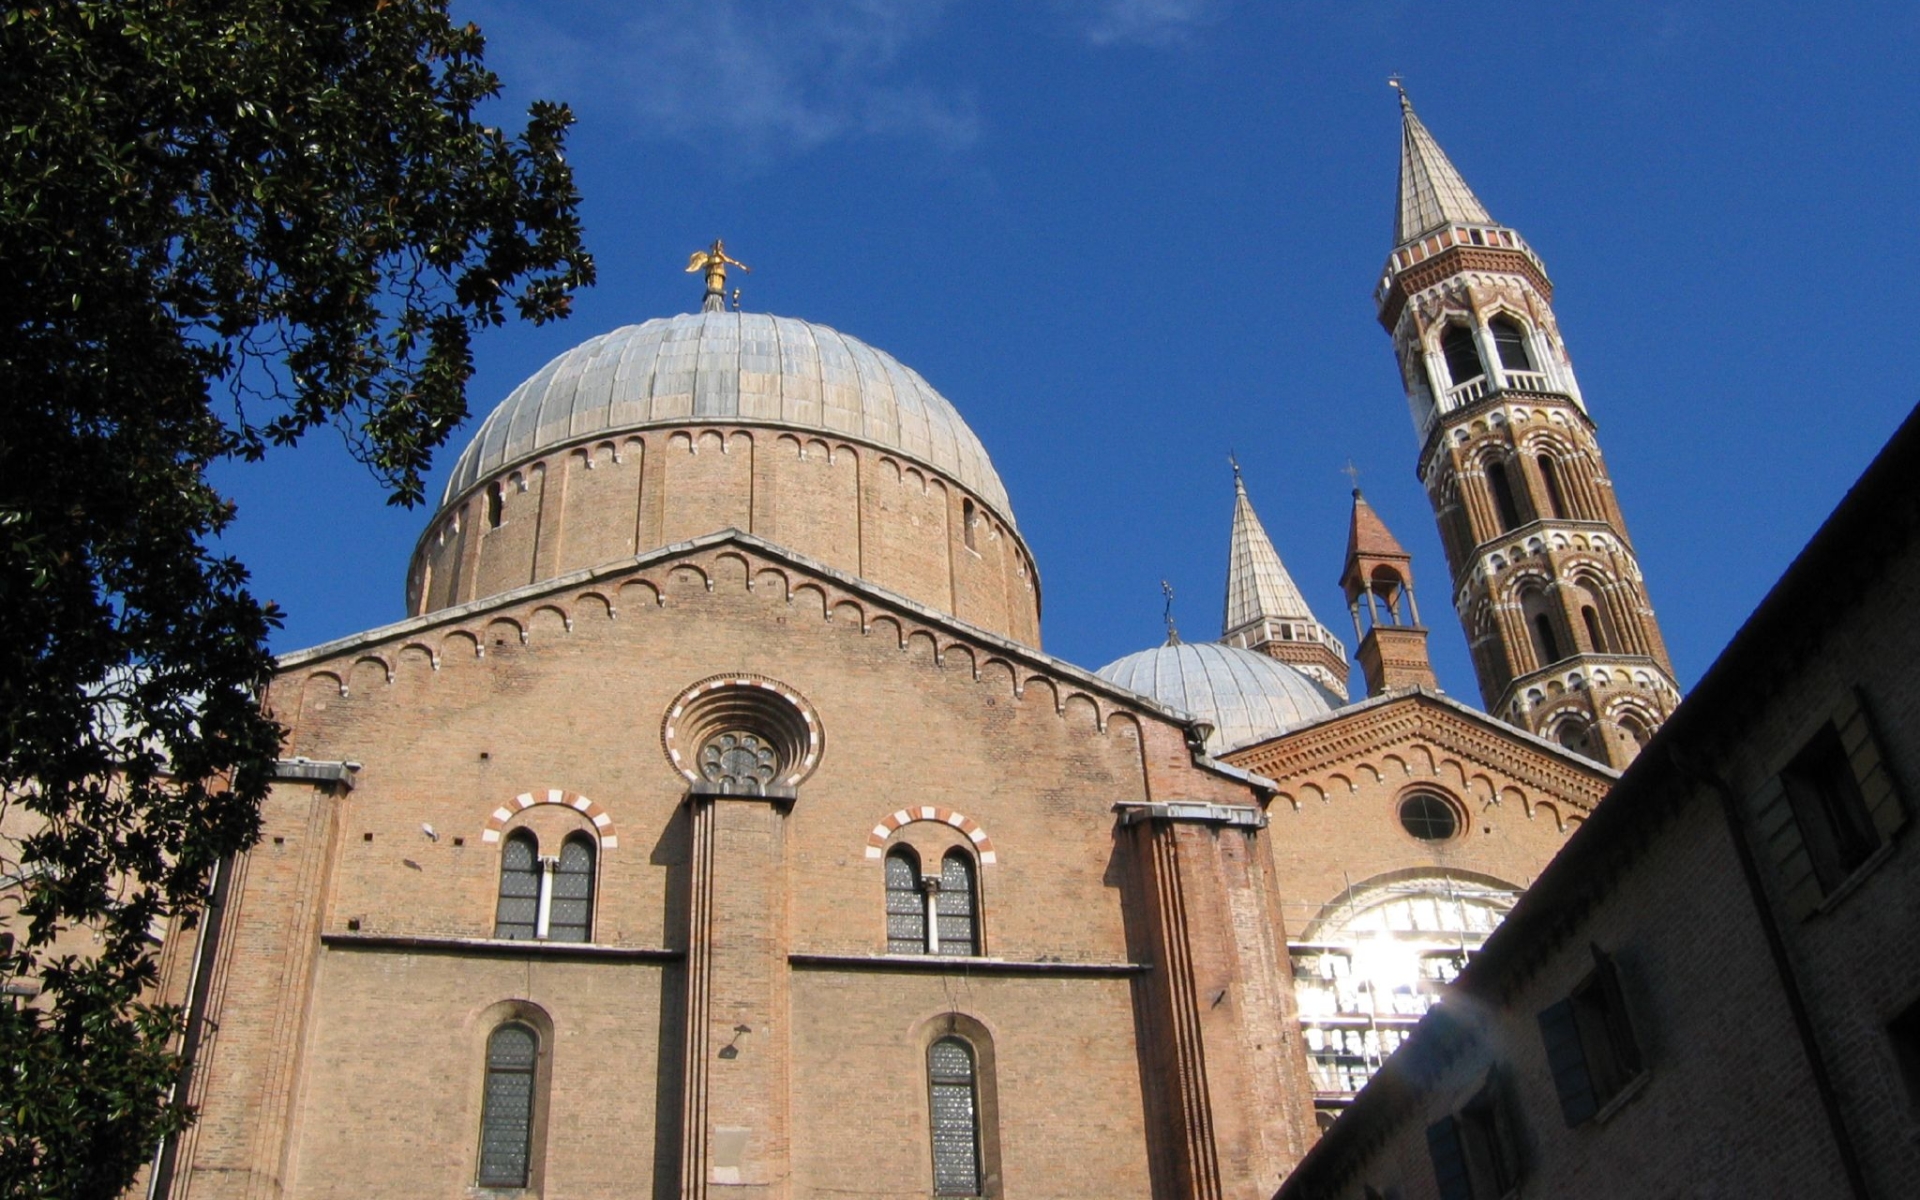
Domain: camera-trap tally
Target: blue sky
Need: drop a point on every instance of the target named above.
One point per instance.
(1127, 236)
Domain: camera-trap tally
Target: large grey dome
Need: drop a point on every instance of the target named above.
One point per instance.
(749, 368)
(1244, 695)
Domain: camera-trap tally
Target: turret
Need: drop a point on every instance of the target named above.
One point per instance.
(1548, 589)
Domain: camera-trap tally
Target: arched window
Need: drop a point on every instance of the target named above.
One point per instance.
(1596, 637)
(1503, 502)
(1550, 481)
(969, 517)
(547, 899)
(518, 913)
(1576, 735)
(1510, 342)
(954, 1100)
(496, 505)
(1637, 729)
(506, 1116)
(1463, 357)
(906, 905)
(956, 908)
(570, 918)
(1546, 647)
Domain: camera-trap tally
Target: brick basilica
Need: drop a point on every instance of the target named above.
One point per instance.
(716, 826)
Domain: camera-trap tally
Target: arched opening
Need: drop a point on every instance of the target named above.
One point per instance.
(496, 505)
(1637, 728)
(1596, 637)
(955, 912)
(969, 517)
(1550, 484)
(570, 915)
(954, 1100)
(1576, 735)
(1545, 645)
(1505, 507)
(1463, 357)
(1510, 343)
(1537, 610)
(906, 906)
(517, 913)
(506, 1115)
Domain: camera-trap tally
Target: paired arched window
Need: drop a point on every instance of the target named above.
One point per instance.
(506, 1115)
(1463, 357)
(1510, 343)
(550, 899)
(954, 1100)
(932, 914)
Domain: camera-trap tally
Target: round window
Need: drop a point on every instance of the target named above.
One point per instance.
(1428, 817)
(739, 761)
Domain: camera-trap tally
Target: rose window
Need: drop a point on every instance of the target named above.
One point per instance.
(739, 761)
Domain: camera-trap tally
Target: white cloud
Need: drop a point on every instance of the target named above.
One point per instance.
(1144, 22)
(753, 79)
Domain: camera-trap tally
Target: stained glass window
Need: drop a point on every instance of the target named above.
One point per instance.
(519, 907)
(506, 1121)
(955, 906)
(956, 1120)
(571, 917)
(906, 907)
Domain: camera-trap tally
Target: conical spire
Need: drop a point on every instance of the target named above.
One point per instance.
(1258, 586)
(1432, 194)
(1368, 536)
(1266, 612)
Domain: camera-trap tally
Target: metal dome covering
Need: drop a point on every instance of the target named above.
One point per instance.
(1243, 694)
(750, 368)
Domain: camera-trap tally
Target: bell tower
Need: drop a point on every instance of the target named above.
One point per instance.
(1563, 637)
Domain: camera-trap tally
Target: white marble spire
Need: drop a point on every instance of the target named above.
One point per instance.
(1258, 586)
(1432, 193)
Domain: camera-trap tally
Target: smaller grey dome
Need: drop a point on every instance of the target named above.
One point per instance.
(1243, 694)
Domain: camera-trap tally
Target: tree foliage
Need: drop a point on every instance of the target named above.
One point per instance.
(222, 224)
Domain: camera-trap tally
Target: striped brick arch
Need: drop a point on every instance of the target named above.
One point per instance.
(602, 820)
(877, 840)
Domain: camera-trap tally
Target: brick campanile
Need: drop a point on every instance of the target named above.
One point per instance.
(1563, 637)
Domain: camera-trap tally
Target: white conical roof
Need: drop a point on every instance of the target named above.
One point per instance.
(1432, 193)
(1258, 586)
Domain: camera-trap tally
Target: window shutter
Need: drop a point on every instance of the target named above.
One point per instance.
(1568, 1062)
(1780, 840)
(1449, 1160)
(1626, 1048)
(1869, 771)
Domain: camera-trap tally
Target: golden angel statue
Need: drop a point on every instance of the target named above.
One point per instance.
(715, 261)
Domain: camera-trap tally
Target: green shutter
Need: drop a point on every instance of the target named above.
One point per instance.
(1869, 771)
(1780, 840)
